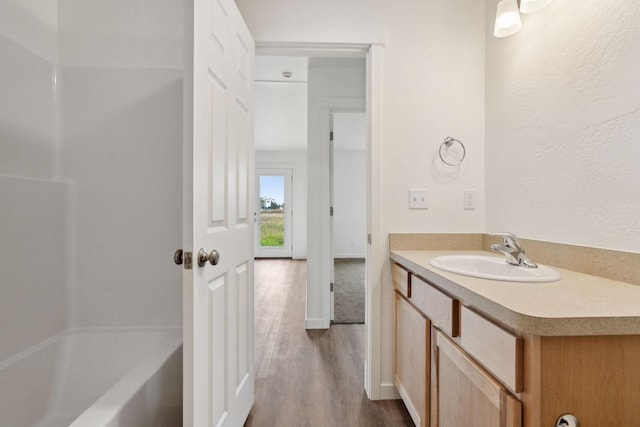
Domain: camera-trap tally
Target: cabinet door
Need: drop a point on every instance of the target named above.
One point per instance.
(466, 395)
(411, 378)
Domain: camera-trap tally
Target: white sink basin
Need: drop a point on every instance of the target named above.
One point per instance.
(486, 267)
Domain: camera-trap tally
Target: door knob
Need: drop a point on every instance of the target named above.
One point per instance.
(177, 257)
(203, 256)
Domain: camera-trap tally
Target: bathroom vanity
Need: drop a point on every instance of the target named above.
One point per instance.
(488, 353)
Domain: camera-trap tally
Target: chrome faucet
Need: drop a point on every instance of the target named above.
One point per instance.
(514, 252)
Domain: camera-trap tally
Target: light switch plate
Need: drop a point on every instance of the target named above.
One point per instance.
(418, 198)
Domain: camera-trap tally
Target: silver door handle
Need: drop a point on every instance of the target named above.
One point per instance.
(203, 256)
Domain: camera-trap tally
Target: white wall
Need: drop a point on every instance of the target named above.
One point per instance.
(563, 125)
(350, 204)
(33, 210)
(281, 116)
(121, 133)
(350, 185)
(297, 161)
(433, 87)
(332, 83)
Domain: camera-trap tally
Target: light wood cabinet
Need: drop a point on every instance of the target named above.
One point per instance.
(401, 282)
(412, 346)
(498, 350)
(596, 378)
(441, 384)
(477, 373)
(440, 308)
(466, 394)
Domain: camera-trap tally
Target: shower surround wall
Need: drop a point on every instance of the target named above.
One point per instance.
(121, 132)
(33, 198)
(90, 167)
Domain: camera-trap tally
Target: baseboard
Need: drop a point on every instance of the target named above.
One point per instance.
(350, 256)
(388, 391)
(316, 324)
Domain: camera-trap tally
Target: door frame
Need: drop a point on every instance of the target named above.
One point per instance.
(346, 105)
(320, 257)
(284, 41)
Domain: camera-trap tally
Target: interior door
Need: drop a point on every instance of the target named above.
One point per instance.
(219, 378)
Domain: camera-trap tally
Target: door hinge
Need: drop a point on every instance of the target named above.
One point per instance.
(331, 286)
(331, 136)
(369, 238)
(331, 211)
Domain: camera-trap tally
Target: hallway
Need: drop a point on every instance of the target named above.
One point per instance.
(308, 378)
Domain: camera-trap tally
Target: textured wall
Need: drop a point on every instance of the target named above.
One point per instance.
(563, 125)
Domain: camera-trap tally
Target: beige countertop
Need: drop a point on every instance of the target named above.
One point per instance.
(577, 304)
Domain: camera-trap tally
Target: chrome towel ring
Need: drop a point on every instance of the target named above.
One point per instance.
(448, 142)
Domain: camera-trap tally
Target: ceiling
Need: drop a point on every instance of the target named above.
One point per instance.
(270, 68)
(281, 108)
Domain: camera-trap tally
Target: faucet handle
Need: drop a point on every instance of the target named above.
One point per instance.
(508, 239)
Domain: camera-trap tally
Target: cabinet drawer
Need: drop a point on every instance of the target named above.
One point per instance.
(401, 280)
(497, 350)
(440, 308)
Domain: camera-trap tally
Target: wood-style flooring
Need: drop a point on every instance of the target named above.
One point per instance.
(309, 378)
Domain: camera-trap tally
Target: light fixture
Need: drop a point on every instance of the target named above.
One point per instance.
(507, 19)
(530, 6)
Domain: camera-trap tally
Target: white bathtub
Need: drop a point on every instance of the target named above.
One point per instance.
(96, 378)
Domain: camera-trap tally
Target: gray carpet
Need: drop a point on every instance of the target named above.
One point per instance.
(349, 295)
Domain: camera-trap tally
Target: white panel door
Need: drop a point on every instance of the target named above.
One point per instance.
(219, 378)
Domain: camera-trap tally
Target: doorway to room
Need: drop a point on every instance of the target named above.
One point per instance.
(273, 213)
(311, 99)
(348, 215)
(298, 97)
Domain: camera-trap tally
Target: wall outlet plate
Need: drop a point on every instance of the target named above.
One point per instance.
(469, 199)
